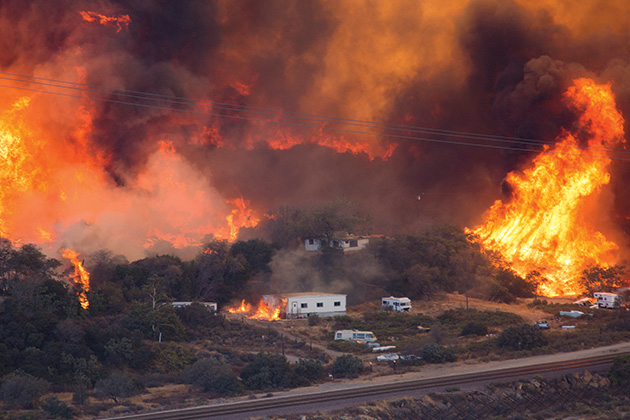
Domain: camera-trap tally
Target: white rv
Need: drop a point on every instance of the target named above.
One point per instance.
(354, 335)
(401, 304)
(607, 300)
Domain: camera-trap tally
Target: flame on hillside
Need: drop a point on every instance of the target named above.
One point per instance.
(263, 312)
(544, 226)
(80, 277)
(117, 21)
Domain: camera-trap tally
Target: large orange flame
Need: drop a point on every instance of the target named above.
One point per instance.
(81, 275)
(545, 225)
(263, 312)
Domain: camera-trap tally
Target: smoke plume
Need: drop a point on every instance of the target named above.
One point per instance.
(138, 179)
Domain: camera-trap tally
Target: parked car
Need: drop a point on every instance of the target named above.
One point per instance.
(543, 325)
(391, 357)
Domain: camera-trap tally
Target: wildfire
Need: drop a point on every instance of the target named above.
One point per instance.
(81, 275)
(545, 225)
(240, 216)
(283, 140)
(19, 170)
(118, 21)
(263, 312)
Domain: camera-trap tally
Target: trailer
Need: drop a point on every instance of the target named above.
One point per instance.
(607, 300)
(401, 304)
(356, 336)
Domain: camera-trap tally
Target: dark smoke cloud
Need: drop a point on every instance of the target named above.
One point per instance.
(480, 66)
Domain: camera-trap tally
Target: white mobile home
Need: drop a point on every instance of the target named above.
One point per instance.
(302, 305)
(401, 304)
(354, 335)
(607, 300)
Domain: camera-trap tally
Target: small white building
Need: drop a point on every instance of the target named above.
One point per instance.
(211, 306)
(355, 335)
(401, 304)
(302, 305)
(346, 243)
(607, 300)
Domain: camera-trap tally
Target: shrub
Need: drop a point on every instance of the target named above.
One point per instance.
(23, 390)
(310, 369)
(474, 328)
(620, 370)
(172, 357)
(347, 365)
(522, 337)
(56, 409)
(213, 376)
(268, 371)
(117, 386)
(435, 353)
(313, 320)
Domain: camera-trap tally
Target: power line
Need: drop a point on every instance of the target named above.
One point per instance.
(258, 110)
(267, 111)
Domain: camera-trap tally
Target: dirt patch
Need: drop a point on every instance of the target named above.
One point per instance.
(446, 301)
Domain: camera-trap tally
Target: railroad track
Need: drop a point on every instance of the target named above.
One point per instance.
(219, 410)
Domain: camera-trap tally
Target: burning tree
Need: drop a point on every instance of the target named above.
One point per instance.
(545, 225)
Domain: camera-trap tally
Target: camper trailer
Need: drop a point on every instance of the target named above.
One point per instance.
(607, 300)
(356, 336)
(401, 304)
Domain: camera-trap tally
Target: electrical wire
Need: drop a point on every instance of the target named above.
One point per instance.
(175, 100)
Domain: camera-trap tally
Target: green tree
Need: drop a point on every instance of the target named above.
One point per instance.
(219, 275)
(282, 227)
(510, 286)
(474, 328)
(601, 279)
(22, 390)
(257, 254)
(619, 372)
(435, 353)
(268, 371)
(310, 369)
(423, 281)
(522, 337)
(339, 216)
(56, 409)
(212, 376)
(117, 386)
(347, 366)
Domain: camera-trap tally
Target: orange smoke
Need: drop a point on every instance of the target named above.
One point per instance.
(53, 186)
(263, 312)
(118, 21)
(81, 276)
(544, 226)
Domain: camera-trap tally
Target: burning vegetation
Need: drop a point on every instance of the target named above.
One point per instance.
(546, 225)
(263, 312)
(176, 130)
(81, 276)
